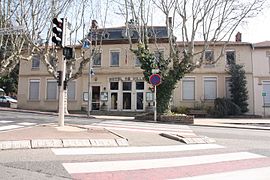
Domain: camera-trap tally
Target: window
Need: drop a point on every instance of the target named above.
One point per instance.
(230, 57)
(71, 92)
(126, 86)
(266, 89)
(158, 55)
(227, 86)
(114, 56)
(137, 61)
(34, 89)
(188, 87)
(51, 90)
(209, 55)
(114, 86)
(139, 85)
(97, 59)
(210, 88)
(35, 61)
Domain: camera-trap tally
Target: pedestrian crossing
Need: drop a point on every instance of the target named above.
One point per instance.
(145, 127)
(6, 125)
(181, 162)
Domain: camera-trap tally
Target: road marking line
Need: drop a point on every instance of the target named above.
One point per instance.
(143, 127)
(6, 121)
(128, 150)
(91, 167)
(249, 174)
(26, 124)
(9, 127)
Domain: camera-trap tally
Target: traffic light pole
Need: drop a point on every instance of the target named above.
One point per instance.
(61, 110)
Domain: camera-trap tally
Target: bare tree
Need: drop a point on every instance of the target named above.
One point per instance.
(211, 21)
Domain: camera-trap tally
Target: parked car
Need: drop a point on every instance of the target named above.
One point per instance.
(7, 101)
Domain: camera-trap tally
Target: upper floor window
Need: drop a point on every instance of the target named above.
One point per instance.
(35, 61)
(51, 90)
(114, 58)
(188, 88)
(209, 55)
(159, 55)
(210, 88)
(230, 57)
(97, 59)
(34, 89)
(114, 85)
(137, 61)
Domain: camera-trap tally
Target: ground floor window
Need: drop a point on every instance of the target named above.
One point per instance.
(34, 89)
(210, 88)
(51, 90)
(139, 102)
(126, 100)
(266, 90)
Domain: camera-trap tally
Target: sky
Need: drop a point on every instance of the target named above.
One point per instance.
(257, 29)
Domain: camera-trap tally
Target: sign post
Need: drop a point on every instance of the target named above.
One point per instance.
(155, 80)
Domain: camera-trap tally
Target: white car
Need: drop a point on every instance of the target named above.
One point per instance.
(7, 99)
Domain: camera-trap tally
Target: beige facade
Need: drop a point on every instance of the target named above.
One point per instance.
(118, 77)
(261, 70)
(208, 82)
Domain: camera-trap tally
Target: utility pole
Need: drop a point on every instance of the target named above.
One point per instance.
(94, 26)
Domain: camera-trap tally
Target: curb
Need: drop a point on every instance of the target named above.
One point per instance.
(233, 127)
(61, 143)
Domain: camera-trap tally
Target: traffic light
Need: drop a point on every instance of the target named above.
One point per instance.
(58, 31)
(59, 78)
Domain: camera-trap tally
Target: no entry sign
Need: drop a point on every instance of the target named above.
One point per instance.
(155, 79)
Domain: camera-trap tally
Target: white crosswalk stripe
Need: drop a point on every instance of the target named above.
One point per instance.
(6, 125)
(145, 127)
(221, 163)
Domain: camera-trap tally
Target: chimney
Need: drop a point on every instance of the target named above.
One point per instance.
(238, 37)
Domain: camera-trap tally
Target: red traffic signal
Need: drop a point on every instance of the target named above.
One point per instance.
(58, 28)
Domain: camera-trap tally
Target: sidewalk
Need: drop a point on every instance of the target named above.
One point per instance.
(52, 136)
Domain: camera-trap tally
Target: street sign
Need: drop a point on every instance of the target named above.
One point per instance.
(263, 93)
(155, 79)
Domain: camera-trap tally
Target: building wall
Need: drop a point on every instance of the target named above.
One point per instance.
(218, 71)
(261, 69)
(129, 72)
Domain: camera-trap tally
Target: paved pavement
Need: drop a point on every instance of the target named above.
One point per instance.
(100, 135)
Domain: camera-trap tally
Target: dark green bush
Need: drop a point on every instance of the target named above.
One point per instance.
(225, 107)
(180, 109)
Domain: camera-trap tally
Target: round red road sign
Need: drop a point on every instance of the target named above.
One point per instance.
(155, 79)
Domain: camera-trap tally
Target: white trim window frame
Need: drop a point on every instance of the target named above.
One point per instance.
(209, 55)
(230, 57)
(34, 90)
(210, 88)
(35, 62)
(115, 55)
(51, 90)
(188, 89)
(97, 58)
(266, 89)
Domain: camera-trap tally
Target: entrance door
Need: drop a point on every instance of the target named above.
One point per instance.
(139, 101)
(95, 97)
(114, 100)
